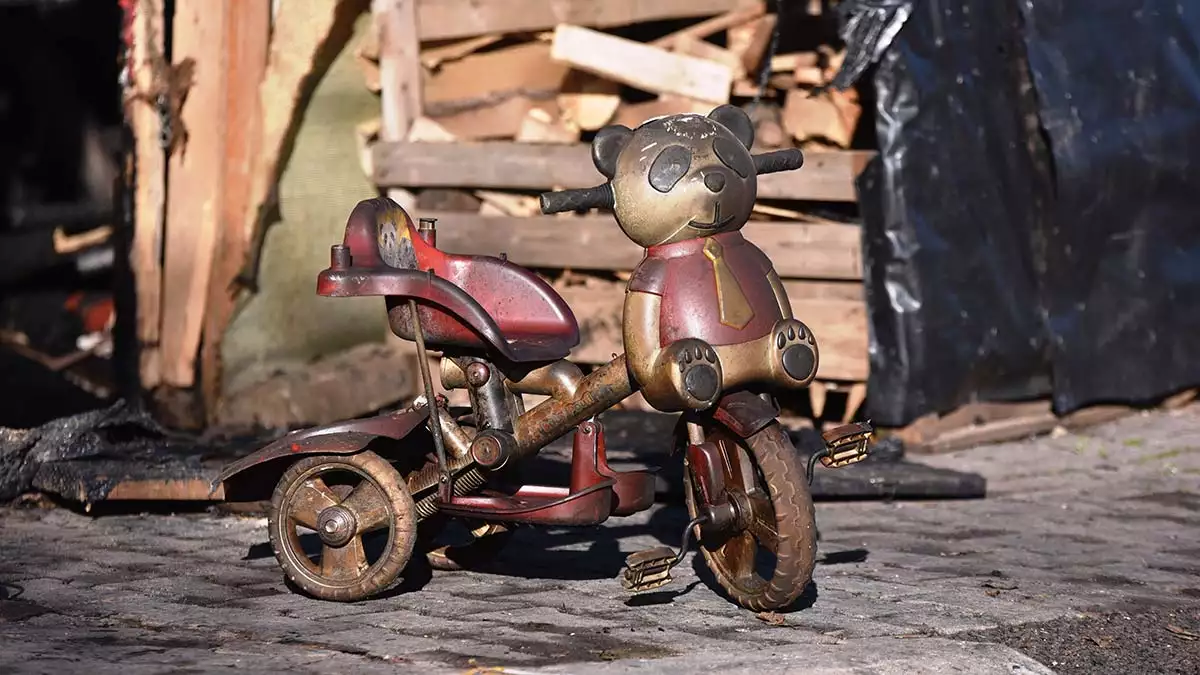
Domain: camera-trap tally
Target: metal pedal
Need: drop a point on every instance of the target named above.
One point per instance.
(651, 568)
(844, 445)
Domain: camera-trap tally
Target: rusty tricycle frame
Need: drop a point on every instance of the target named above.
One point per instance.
(504, 333)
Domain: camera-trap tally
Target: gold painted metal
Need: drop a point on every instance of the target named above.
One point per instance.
(785, 305)
(734, 308)
(560, 378)
(648, 216)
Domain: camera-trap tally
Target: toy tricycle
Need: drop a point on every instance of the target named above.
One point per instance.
(708, 333)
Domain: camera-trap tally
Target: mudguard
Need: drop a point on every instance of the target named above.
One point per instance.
(745, 413)
(339, 438)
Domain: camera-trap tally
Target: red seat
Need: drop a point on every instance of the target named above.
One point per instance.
(489, 302)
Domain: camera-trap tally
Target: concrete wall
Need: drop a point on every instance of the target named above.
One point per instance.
(286, 324)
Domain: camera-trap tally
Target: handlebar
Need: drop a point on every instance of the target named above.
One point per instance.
(601, 196)
(788, 159)
(597, 197)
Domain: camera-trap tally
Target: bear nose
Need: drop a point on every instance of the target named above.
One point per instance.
(714, 181)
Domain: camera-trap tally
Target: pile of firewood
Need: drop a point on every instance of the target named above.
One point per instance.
(560, 85)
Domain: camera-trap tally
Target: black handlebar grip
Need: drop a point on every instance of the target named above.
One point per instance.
(779, 160)
(583, 199)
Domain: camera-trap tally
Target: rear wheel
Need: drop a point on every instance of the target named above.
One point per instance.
(766, 562)
(343, 527)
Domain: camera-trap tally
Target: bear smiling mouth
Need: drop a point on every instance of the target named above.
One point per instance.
(716, 222)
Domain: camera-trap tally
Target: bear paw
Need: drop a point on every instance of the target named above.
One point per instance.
(695, 372)
(796, 350)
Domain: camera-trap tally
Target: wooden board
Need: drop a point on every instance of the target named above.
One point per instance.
(746, 11)
(489, 78)
(839, 325)
(400, 79)
(447, 19)
(826, 176)
(196, 200)
(150, 192)
(643, 66)
(799, 250)
(249, 33)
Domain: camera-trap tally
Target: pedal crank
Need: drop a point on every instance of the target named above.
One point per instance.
(844, 445)
(651, 568)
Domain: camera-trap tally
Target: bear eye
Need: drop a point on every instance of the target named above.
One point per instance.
(671, 165)
(733, 155)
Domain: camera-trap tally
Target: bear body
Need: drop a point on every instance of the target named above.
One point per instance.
(705, 313)
(725, 301)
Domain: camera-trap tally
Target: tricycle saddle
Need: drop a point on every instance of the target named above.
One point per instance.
(708, 333)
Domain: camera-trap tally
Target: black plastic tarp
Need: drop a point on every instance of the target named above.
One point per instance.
(1032, 225)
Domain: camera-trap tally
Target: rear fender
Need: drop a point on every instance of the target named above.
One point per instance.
(243, 479)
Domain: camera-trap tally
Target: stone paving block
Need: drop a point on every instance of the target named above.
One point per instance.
(882, 657)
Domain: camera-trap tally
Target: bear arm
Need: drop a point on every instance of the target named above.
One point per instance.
(650, 276)
(642, 345)
(781, 298)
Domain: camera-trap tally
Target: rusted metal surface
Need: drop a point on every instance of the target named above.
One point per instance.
(472, 302)
(603, 388)
(342, 498)
(340, 438)
(746, 413)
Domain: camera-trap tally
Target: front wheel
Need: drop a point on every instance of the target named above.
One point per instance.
(766, 562)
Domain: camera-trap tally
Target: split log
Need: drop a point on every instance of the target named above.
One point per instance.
(490, 78)
(818, 117)
(446, 19)
(747, 11)
(640, 65)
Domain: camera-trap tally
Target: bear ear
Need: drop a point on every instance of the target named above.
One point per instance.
(736, 120)
(607, 147)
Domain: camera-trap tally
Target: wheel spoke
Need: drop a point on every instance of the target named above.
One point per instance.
(370, 507)
(310, 499)
(344, 562)
(738, 555)
(762, 524)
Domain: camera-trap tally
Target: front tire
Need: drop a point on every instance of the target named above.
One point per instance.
(771, 478)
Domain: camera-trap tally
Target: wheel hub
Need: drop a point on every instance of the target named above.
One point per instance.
(336, 525)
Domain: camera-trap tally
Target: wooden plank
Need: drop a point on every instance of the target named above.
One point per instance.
(249, 25)
(447, 19)
(501, 165)
(840, 327)
(489, 78)
(401, 79)
(703, 49)
(746, 11)
(196, 201)
(799, 250)
(640, 65)
(150, 191)
(753, 46)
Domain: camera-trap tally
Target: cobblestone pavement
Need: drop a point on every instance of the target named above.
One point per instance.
(1075, 526)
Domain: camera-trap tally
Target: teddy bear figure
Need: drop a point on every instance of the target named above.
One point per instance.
(704, 311)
